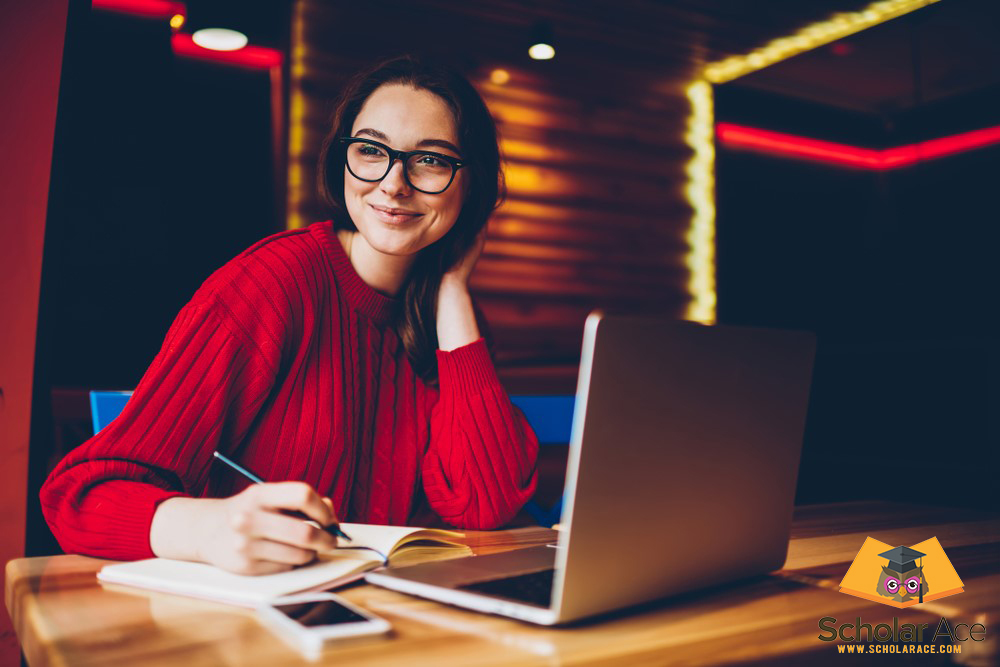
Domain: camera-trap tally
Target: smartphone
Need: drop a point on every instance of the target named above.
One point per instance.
(311, 620)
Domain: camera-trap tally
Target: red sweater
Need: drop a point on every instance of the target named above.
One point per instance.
(285, 360)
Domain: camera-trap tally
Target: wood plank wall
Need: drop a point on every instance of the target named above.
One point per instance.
(593, 140)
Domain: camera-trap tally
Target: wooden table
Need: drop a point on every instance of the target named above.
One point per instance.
(64, 617)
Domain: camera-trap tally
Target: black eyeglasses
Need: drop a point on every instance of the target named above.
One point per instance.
(426, 171)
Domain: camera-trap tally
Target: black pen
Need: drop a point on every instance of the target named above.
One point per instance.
(333, 530)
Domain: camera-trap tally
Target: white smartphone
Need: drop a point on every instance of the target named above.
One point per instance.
(310, 620)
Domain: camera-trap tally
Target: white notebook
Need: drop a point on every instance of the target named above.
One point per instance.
(402, 544)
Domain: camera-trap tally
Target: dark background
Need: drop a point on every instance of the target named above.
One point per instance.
(895, 270)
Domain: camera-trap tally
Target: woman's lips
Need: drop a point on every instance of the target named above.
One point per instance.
(394, 216)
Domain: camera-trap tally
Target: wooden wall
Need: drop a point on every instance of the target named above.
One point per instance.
(593, 140)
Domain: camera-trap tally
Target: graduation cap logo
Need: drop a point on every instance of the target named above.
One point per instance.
(901, 576)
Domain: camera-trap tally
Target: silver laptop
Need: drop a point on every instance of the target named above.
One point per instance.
(681, 475)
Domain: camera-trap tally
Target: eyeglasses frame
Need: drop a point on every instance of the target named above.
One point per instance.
(403, 156)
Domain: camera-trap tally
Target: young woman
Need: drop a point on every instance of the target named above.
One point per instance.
(345, 357)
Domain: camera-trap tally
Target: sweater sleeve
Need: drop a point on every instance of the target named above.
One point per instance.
(203, 388)
(480, 466)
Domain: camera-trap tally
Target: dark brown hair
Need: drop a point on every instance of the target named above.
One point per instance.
(416, 325)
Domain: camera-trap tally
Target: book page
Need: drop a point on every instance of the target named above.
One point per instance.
(388, 539)
(864, 571)
(938, 568)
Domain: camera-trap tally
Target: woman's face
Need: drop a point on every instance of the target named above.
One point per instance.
(391, 216)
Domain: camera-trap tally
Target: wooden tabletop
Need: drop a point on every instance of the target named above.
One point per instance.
(63, 616)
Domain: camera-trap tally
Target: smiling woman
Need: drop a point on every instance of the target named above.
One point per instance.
(432, 114)
(344, 358)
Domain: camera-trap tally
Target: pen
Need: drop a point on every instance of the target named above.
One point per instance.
(257, 480)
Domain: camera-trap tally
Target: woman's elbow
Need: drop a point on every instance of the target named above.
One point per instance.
(495, 510)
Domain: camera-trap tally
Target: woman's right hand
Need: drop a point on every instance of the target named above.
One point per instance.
(246, 533)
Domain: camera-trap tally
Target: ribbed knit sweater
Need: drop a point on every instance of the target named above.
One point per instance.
(286, 361)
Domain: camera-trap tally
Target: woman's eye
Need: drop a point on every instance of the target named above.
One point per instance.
(431, 161)
(370, 150)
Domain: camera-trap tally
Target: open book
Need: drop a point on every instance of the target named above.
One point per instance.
(401, 544)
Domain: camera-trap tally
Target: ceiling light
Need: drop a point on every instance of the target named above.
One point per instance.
(499, 76)
(542, 51)
(541, 42)
(219, 39)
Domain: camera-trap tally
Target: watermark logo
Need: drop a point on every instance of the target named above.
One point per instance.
(901, 576)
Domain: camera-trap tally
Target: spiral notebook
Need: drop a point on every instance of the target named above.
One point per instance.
(401, 544)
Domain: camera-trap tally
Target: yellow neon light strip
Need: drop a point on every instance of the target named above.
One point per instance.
(297, 123)
(700, 190)
(811, 36)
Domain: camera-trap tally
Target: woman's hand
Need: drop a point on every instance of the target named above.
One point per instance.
(246, 533)
(459, 274)
(456, 321)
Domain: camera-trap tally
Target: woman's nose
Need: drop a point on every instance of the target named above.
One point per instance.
(394, 182)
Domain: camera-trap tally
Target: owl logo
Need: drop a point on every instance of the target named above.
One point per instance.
(903, 579)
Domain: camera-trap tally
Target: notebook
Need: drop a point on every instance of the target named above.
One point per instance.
(684, 449)
(401, 544)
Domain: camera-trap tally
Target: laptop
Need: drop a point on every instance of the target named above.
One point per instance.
(681, 475)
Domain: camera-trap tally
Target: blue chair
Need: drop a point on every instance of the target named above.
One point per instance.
(105, 406)
(551, 417)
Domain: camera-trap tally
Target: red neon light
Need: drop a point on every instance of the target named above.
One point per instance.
(853, 156)
(154, 9)
(248, 56)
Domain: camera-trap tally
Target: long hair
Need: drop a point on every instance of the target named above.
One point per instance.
(416, 325)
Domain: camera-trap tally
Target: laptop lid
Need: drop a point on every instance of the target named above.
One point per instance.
(683, 461)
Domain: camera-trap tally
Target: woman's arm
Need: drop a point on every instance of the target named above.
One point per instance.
(456, 319)
(128, 492)
(101, 497)
(480, 465)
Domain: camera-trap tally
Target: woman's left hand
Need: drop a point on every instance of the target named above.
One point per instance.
(460, 273)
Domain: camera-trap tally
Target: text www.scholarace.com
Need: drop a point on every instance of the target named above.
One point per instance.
(907, 648)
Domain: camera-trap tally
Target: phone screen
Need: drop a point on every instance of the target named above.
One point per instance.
(319, 612)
